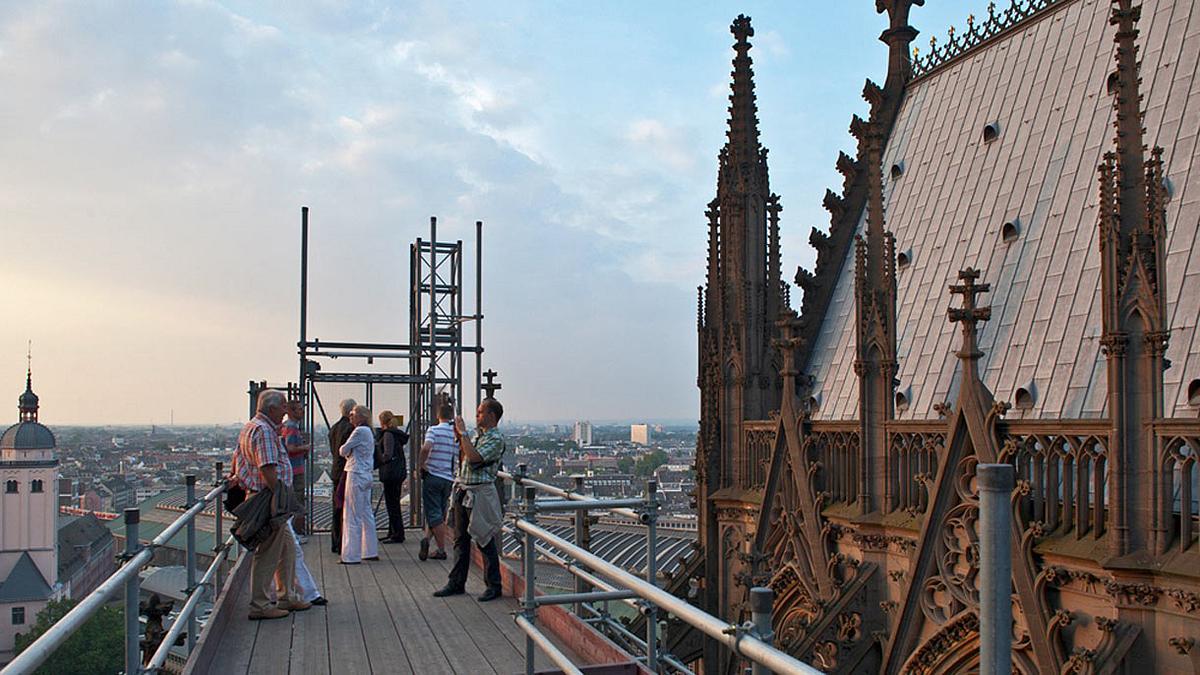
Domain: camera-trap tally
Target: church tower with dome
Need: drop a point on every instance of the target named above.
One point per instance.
(28, 520)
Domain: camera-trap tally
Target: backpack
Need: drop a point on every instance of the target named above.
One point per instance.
(394, 467)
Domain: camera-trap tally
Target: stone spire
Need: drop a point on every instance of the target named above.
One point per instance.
(1132, 224)
(743, 146)
(27, 404)
(743, 296)
(875, 360)
(744, 290)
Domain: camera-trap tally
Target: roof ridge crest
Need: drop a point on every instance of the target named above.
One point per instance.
(998, 22)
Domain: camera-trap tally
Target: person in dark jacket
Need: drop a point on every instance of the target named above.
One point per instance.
(393, 469)
(339, 433)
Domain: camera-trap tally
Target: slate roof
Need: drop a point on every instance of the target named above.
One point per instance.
(1044, 83)
(77, 540)
(168, 582)
(27, 436)
(24, 583)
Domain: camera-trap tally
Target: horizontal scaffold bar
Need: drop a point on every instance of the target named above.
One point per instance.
(571, 598)
(520, 479)
(318, 344)
(588, 505)
(369, 378)
(548, 648)
(441, 246)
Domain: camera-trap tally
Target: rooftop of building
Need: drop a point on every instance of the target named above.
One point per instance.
(991, 163)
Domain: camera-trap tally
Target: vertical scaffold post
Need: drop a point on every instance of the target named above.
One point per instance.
(528, 557)
(478, 312)
(650, 517)
(581, 540)
(433, 314)
(190, 480)
(219, 531)
(995, 568)
(302, 390)
(133, 654)
(762, 601)
(517, 489)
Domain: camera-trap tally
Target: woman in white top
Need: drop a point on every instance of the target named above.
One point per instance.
(359, 540)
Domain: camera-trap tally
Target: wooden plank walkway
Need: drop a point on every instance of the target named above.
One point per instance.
(381, 618)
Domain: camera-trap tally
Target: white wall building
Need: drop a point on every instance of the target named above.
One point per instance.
(639, 433)
(29, 518)
(583, 433)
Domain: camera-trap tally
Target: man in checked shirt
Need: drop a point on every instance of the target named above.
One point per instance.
(476, 512)
(261, 463)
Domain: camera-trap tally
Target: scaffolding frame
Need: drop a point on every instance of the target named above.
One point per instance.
(431, 358)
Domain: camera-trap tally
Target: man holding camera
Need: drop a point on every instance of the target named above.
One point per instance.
(475, 503)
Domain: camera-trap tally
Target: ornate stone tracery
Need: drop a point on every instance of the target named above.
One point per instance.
(867, 528)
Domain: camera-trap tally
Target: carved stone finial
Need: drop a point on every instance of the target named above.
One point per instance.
(897, 37)
(788, 342)
(970, 314)
(897, 10)
(741, 29)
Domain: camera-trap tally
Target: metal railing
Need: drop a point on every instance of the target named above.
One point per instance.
(137, 557)
(751, 640)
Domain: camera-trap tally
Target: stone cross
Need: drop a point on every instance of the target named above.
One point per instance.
(787, 343)
(491, 385)
(971, 313)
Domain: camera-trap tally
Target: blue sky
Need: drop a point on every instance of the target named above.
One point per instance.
(156, 156)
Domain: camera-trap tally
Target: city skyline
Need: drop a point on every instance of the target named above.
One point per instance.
(154, 184)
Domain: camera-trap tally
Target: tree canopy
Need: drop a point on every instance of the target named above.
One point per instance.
(647, 463)
(95, 649)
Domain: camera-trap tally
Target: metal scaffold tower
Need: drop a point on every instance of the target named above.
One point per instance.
(436, 321)
(431, 361)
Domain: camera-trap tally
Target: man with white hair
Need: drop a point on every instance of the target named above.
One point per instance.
(260, 463)
(339, 433)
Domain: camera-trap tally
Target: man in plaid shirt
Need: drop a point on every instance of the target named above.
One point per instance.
(476, 512)
(260, 463)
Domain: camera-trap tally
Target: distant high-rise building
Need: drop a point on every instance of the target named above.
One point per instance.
(583, 433)
(639, 433)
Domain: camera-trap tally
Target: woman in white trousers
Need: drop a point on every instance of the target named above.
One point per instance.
(359, 540)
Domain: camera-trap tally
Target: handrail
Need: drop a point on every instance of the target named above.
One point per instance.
(136, 558)
(751, 640)
(556, 656)
(735, 637)
(189, 608)
(521, 479)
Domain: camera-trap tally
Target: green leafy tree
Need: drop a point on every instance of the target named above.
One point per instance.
(95, 649)
(650, 461)
(625, 465)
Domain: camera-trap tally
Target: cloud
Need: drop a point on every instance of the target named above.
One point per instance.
(665, 142)
(772, 44)
(154, 181)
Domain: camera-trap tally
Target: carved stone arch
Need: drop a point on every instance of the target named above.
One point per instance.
(955, 649)
(1139, 307)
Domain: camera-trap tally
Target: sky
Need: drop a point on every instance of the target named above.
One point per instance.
(154, 158)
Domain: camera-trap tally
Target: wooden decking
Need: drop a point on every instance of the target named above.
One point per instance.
(381, 618)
